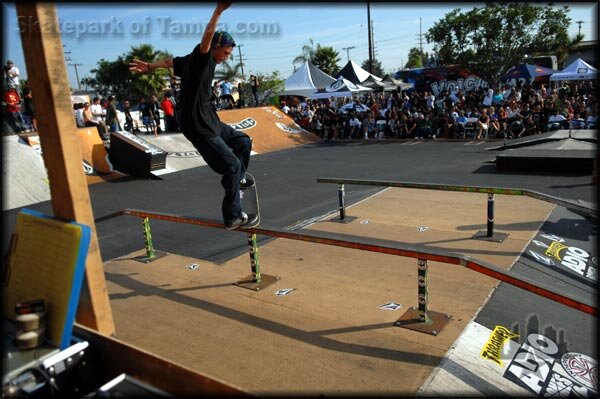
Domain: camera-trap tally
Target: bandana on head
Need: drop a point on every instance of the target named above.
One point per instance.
(222, 39)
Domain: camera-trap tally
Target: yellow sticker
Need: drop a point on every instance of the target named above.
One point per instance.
(554, 249)
(492, 350)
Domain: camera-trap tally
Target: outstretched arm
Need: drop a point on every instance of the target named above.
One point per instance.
(212, 26)
(145, 67)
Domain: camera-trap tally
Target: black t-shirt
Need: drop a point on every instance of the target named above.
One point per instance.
(198, 118)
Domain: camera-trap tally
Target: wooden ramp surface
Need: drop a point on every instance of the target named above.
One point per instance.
(328, 336)
(269, 127)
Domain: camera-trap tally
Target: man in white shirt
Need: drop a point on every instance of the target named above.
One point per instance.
(354, 126)
(488, 98)
(97, 111)
(285, 108)
(430, 100)
(11, 73)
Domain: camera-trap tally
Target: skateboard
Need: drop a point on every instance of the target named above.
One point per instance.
(249, 200)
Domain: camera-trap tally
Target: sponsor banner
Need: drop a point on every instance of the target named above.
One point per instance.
(295, 129)
(494, 347)
(554, 251)
(184, 154)
(247, 123)
(148, 148)
(539, 367)
(273, 111)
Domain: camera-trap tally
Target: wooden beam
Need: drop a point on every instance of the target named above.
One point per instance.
(111, 357)
(44, 58)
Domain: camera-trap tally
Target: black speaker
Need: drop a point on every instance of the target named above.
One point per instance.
(135, 156)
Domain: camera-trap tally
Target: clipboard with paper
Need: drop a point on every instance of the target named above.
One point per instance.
(47, 260)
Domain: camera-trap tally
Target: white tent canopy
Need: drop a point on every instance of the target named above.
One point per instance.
(354, 73)
(340, 88)
(577, 70)
(306, 80)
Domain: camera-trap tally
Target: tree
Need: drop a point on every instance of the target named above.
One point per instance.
(492, 39)
(415, 58)
(115, 78)
(377, 68)
(308, 53)
(326, 59)
(229, 70)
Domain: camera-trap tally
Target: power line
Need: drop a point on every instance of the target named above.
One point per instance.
(241, 61)
(77, 75)
(347, 49)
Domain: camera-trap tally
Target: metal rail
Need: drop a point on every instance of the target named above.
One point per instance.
(422, 253)
(470, 189)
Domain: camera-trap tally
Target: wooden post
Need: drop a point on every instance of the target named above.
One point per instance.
(44, 58)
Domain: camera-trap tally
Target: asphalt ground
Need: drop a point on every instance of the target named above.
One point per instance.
(289, 193)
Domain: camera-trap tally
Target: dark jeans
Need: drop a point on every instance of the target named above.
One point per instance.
(228, 155)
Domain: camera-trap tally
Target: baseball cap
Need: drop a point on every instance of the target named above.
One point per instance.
(222, 38)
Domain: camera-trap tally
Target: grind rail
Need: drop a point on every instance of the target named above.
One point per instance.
(490, 191)
(422, 319)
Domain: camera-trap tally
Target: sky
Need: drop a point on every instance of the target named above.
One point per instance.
(269, 35)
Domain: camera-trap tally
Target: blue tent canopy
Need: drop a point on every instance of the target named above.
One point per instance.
(527, 74)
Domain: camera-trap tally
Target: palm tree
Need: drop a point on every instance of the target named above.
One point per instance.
(229, 71)
(152, 83)
(326, 59)
(308, 53)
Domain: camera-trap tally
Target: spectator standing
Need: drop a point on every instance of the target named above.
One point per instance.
(129, 124)
(169, 111)
(254, 85)
(155, 112)
(28, 111)
(13, 108)
(226, 93)
(112, 120)
(11, 75)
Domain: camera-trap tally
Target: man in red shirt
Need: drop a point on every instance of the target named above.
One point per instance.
(13, 108)
(168, 109)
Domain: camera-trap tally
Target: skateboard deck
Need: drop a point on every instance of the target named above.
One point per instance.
(249, 200)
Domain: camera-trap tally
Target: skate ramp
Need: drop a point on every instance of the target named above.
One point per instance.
(96, 163)
(270, 129)
(23, 173)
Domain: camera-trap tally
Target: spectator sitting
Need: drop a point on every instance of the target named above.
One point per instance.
(354, 125)
(592, 120)
(482, 123)
(460, 124)
(90, 121)
(79, 114)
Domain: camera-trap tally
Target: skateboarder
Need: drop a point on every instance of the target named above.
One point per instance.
(225, 150)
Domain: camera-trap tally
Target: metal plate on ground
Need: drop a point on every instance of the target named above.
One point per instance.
(410, 320)
(347, 219)
(482, 235)
(265, 281)
(145, 259)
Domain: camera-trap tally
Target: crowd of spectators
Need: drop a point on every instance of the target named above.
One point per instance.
(508, 112)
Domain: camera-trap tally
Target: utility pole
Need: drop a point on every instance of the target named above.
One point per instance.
(348, 52)
(370, 42)
(67, 52)
(241, 61)
(421, 40)
(579, 23)
(77, 74)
